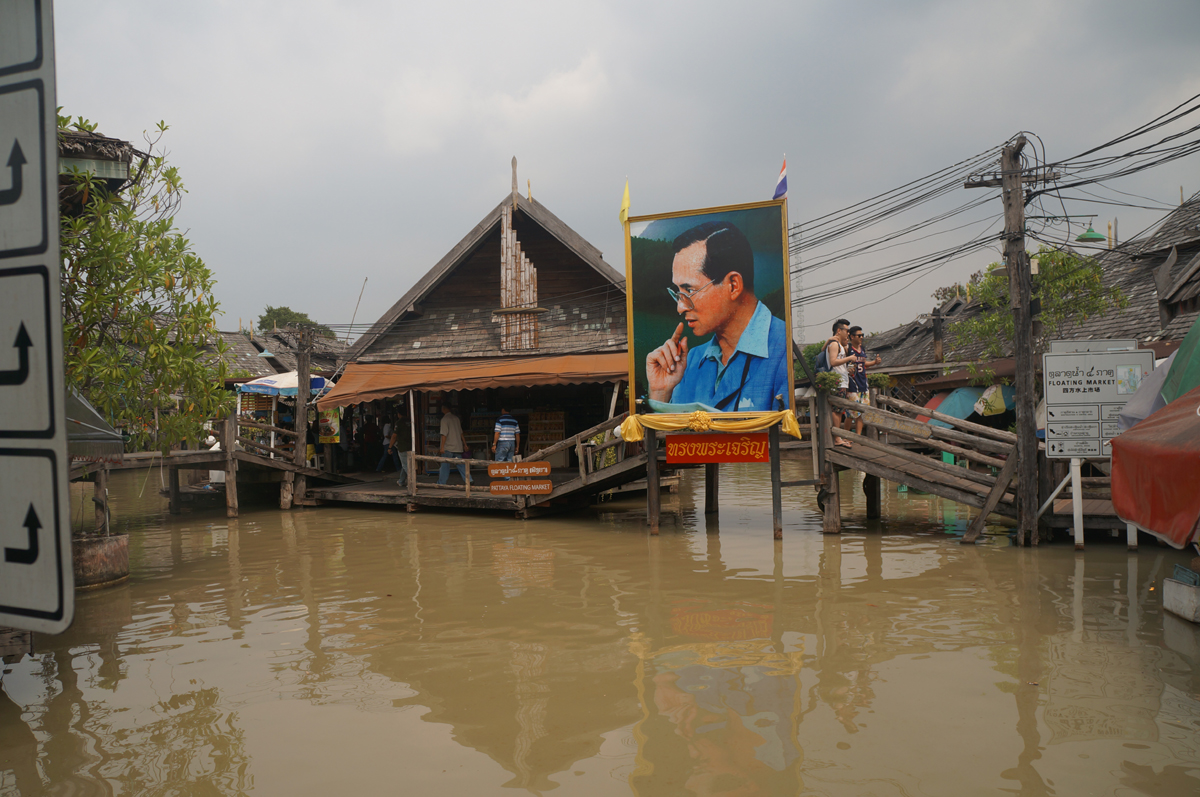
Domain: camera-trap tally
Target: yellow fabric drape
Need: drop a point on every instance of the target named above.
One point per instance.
(632, 429)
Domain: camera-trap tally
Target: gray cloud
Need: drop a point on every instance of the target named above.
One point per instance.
(351, 140)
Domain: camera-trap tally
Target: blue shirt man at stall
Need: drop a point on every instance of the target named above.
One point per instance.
(743, 367)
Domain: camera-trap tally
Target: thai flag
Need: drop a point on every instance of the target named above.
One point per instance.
(781, 186)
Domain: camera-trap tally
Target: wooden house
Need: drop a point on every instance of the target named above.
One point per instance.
(522, 314)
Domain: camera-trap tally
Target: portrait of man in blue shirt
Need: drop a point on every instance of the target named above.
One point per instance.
(743, 367)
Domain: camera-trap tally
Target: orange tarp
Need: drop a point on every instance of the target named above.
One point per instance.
(1156, 472)
(369, 381)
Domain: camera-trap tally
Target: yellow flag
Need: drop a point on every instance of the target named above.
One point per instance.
(624, 214)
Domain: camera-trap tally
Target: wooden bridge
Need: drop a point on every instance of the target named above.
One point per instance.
(898, 447)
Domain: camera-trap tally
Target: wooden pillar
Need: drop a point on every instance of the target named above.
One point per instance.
(228, 439)
(871, 483)
(303, 388)
(712, 488)
(1131, 536)
(1076, 502)
(812, 437)
(100, 499)
(871, 486)
(776, 484)
(652, 496)
(173, 489)
(286, 490)
(833, 507)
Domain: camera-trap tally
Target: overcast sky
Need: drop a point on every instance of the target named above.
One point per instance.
(325, 142)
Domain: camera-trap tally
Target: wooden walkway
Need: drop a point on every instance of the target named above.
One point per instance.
(602, 466)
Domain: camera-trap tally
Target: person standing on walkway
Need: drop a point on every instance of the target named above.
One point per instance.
(859, 390)
(507, 437)
(393, 452)
(452, 445)
(838, 356)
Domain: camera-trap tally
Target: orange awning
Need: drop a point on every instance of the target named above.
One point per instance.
(369, 381)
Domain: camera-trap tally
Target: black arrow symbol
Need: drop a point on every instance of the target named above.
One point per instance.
(16, 160)
(19, 376)
(30, 554)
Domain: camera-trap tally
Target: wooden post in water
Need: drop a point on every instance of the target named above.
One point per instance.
(228, 440)
(712, 488)
(173, 490)
(776, 484)
(871, 483)
(652, 496)
(833, 508)
(100, 499)
(286, 489)
(303, 386)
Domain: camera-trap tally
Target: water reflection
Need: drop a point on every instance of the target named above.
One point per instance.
(329, 650)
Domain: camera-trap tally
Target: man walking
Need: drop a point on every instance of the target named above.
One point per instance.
(507, 437)
(452, 445)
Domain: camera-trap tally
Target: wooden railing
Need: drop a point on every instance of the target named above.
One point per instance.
(972, 442)
(590, 455)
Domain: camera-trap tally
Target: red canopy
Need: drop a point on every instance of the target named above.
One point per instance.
(1156, 472)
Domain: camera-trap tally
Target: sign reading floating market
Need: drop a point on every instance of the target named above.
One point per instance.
(37, 587)
(520, 470)
(695, 448)
(533, 487)
(1085, 391)
(709, 316)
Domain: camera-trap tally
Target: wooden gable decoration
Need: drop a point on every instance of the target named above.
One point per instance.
(520, 282)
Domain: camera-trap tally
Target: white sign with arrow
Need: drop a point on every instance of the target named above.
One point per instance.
(37, 589)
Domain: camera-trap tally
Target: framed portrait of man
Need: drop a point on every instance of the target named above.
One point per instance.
(709, 309)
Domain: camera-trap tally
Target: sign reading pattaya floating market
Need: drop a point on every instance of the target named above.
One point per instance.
(530, 487)
(709, 311)
(683, 448)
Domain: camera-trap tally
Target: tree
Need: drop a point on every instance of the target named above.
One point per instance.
(1071, 290)
(139, 326)
(284, 317)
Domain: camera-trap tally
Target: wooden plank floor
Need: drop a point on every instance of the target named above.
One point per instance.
(568, 489)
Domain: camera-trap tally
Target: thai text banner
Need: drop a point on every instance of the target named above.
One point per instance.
(683, 448)
(508, 470)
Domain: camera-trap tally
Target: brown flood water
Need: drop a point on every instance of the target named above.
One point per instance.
(369, 651)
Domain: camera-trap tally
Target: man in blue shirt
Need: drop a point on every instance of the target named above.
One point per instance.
(507, 437)
(743, 367)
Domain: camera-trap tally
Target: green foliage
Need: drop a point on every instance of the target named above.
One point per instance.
(284, 317)
(879, 381)
(827, 380)
(1070, 289)
(138, 307)
(810, 353)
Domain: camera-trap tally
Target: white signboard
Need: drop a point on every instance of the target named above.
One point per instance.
(37, 589)
(1085, 392)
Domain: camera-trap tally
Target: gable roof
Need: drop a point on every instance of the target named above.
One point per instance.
(469, 243)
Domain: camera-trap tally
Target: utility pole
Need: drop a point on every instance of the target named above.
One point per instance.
(1020, 290)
